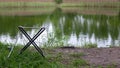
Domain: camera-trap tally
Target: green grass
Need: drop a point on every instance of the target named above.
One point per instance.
(90, 45)
(26, 60)
(48, 4)
(32, 59)
(31, 11)
(26, 4)
(79, 62)
(111, 66)
(92, 4)
(77, 55)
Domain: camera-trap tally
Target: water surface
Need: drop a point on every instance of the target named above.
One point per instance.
(64, 27)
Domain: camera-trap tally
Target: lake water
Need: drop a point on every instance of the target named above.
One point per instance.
(64, 27)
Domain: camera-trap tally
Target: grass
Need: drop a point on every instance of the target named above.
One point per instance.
(26, 11)
(32, 59)
(77, 55)
(79, 62)
(51, 4)
(113, 46)
(26, 60)
(26, 4)
(92, 4)
(111, 66)
(90, 45)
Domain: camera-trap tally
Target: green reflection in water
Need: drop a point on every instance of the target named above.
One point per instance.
(9, 24)
(66, 24)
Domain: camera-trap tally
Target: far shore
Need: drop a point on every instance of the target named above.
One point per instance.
(53, 4)
(48, 10)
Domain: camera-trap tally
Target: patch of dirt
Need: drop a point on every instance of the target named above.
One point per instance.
(94, 56)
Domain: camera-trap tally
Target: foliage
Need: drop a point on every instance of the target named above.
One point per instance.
(90, 45)
(58, 1)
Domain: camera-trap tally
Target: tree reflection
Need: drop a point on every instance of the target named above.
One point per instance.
(66, 24)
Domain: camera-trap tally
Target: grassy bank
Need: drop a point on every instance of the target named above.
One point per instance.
(53, 4)
(92, 4)
(62, 57)
(32, 59)
(26, 4)
(27, 60)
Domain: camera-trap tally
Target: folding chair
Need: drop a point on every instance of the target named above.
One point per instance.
(31, 40)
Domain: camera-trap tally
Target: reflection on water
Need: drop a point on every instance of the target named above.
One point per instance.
(66, 29)
(72, 40)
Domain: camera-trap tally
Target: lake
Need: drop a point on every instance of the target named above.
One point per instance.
(68, 26)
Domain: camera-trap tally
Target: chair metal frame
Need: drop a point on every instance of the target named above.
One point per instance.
(31, 40)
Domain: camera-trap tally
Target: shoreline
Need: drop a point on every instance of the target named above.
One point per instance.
(53, 4)
(42, 10)
(62, 57)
